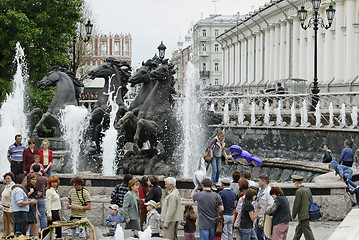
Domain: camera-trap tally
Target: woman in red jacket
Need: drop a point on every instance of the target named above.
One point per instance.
(28, 157)
(46, 156)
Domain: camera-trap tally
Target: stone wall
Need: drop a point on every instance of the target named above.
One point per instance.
(294, 144)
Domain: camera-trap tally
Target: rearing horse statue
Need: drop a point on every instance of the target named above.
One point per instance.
(155, 115)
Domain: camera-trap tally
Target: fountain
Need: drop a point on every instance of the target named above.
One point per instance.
(331, 115)
(253, 114)
(12, 116)
(266, 113)
(211, 108)
(226, 114)
(240, 114)
(293, 117)
(354, 116)
(110, 137)
(192, 124)
(279, 120)
(304, 114)
(317, 115)
(74, 122)
(342, 116)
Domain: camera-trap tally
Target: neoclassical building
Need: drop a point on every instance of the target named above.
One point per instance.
(269, 46)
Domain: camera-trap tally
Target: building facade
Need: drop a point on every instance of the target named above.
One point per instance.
(269, 46)
(100, 47)
(207, 52)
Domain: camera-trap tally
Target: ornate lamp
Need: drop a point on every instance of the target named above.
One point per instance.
(88, 29)
(330, 14)
(316, 5)
(161, 50)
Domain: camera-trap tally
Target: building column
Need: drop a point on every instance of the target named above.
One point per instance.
(310, 55)
(250, 59)
(289, 69)
(258, 56)
(302, 54)
(271, 54)
(282, 52)
(356, 27)
(350, 41)
(339, 41)
(276, 52)
(243, 61)
(266, 54)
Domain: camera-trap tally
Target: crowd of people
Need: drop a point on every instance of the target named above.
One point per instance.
(89, 96)
(31, 195)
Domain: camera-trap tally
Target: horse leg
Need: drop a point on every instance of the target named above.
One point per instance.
(147, 127)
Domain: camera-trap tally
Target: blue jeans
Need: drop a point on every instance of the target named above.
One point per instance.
(247, 234)
(20, 222)
(42, 211)
(207, 234)
(48, 172)
(351, 183)
(216, 169)
(260, 233)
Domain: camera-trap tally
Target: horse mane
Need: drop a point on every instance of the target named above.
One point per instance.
(77, 83)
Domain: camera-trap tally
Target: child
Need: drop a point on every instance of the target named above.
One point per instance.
(189, 222)
(153, 218)
(345, 174)
(113, 219)
(37, 161)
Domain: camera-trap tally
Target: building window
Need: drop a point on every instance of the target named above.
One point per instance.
(204, 81)
(117, 48)
(204, 33)
(216, 32)
(216, 67)
(103, 48)
(204, 67)
(216, 81)
(204, 47)
(216, 47)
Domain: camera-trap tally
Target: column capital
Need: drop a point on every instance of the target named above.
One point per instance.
(356, 27)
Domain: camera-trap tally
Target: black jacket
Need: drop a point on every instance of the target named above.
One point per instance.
(154, 194)
(280, 210)
(327, 156)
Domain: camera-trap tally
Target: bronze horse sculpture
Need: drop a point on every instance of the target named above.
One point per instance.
(116, 74)
(67, 90)
(156, 120)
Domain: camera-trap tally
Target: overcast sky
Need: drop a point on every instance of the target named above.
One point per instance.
(151, 21)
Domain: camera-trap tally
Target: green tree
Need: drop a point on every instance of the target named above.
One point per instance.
(45, 29)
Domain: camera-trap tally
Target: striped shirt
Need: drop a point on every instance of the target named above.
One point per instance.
(79, 198)
(16, 152)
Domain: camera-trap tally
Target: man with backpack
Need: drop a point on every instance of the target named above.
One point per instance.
(301, 208)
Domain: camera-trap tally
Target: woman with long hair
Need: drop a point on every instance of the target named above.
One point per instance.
(216, 147)
(248, 215)
(53, 203)
(189, 222)
(32, 192)
(46, 156)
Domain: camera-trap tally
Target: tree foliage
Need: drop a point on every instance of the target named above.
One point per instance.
(45, 29)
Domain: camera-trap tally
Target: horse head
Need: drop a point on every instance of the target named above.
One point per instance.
(142, 74)
(106, 69)
(51, 78)
(163, 73)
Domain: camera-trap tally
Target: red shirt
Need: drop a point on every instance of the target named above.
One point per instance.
(51, 157)
(28, 159)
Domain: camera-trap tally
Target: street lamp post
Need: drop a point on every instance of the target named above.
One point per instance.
(88, 29)
(161, 50)
(315, 21)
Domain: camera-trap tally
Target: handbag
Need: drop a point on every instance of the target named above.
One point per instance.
(237, 221)
(315, 211)
(220, 219)
(208, 154)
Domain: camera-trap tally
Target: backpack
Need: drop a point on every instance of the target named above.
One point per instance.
(315, 211)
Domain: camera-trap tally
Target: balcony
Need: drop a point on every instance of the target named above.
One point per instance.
(203, 54)
(204, 73)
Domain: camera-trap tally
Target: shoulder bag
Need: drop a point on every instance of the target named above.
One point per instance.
(208, 154)
(315, 211)
(220, 219)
